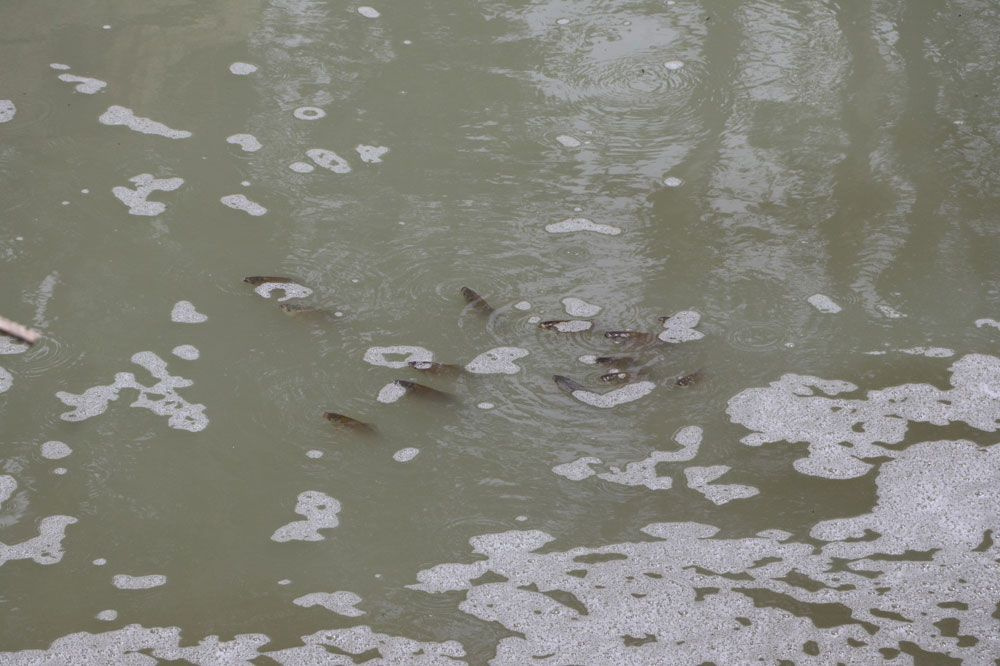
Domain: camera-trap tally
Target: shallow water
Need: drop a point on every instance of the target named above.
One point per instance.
(812, 186)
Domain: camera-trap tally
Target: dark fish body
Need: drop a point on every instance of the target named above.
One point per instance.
(424, 391)
(256, 280)
(476, 301)
(630, 336)
(664, 319)
(432, 368)
(616, 377)
(567, 384)
(347, 422)
(614, 360)
(690, 379)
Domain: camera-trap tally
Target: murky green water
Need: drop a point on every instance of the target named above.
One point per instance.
(811, 185)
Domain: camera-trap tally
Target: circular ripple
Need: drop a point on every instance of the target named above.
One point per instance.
(48, 354)
(29, 112)
(757, 336)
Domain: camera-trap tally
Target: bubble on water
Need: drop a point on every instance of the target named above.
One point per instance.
(127, 582)
(320, 511)
(109, 615)
(378, 355)
(106, 26)
(522, 305)
(54, 450)
(329, 160)
(568, 141)
(407, 41)
(576, 307)
(241, 202)
(499, 360)
(486, 405)
(59, 66)
(60, 471)
(242, 68)
(562, 21)
(289, 289)
(99, 562)
(46, 548)
(184, 312)
(341, 603)
(315, 454)
(245, 183)
(145, 184)
(161, 398)
(284, 581)
(679, 327)
(520, 519)
(405, 455)
(85, 191)
(390, 393)
(672, 181)
(84, 84)
(186, 352)
(248, 142)
(673, 65)
(301, 167)
(368, 12)
(309, 113)
(987, 322)
(575, 224)
(534, 320)
(588, 359)
(823, 303)
(120, 115)
(625, 394)
(65, 203)
(371, 154)
(700, 479)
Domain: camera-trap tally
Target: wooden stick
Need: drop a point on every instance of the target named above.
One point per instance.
(16, 330)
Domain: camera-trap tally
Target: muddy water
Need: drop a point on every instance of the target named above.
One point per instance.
(808, 188)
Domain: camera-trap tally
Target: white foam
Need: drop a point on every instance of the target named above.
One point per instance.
(7, 111)
(405, 455)
(522, 305)
(588, 359)
(127, 582)
(59, 471)
(327, 159)
(120, 115)
(284, 581)
(377, 355)
(579, 469)
(242, 68)
(499, 360)
(619, 396)
(301, 167)
(145, 184)
(309, 113)
(987, 322)
(486, 405)
(576, 307)
(575, 224)
(186, 352)
(46, 548)
(8, 485)
(573, 326)
(568, 141)
(371, 154)
(700, 478)
(99, 562)
(672, 181)
(109, 615)
(54, 450)
(368, 12)
(248, 142)
(680, 327)
(930, 352)
(341, 603)
(241, 202)
(289, 289)
(562, 21)
(673, 65)
(59, 66)
(390, 393)
(315, 454)
(182, 414)
(184, 312)
(823, 303)
(320, 511)
(85, 84)
(6, 380)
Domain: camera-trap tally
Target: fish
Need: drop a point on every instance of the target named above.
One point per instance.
(616, 377)
(664, 319)
(432, 368)
(615, 360)
(476, 301)
(256, 280)
(690, 379)
(567, 384)
(347, 422)
(424, 391)
(631, 336)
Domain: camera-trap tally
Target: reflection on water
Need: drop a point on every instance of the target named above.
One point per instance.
(574, 332)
